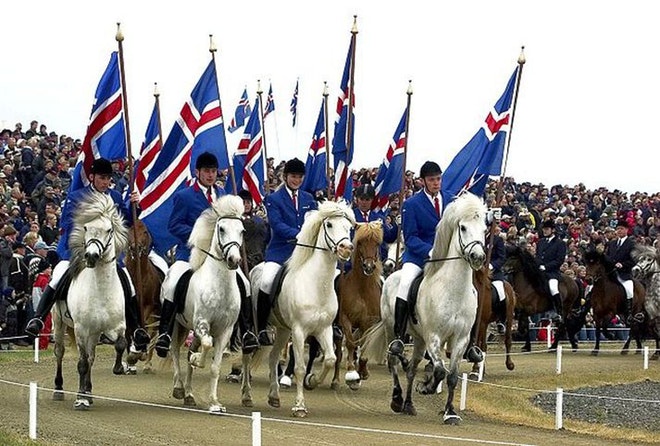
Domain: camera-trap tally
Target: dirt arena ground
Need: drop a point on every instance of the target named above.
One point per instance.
(142, 411)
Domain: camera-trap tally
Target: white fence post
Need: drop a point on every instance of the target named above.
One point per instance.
(559, 409)
(36, 349)
(548, 329)
(559, 353)
(33, 411)
(646, 357)
(464, 391)
(482, 364)
(256, 428)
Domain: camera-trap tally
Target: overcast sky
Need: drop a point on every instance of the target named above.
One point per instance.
(587, 110)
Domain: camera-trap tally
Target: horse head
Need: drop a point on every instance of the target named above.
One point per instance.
(139, 241)
(598, 265)
(333, 223)
(647, 261)
(218, 233)
(367, 240)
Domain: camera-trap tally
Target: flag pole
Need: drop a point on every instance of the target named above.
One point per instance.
(119, 37)
(500, 182)
(409, 92)
(157, 98)
(263, 129)
(327, 151)
(212, 49)
(349, 118)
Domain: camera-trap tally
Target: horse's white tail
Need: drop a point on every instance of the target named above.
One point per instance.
(374, 343)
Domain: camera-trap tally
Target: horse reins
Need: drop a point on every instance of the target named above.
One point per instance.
(224, 248)
(328, 240)
(465, 250)
(100, 246)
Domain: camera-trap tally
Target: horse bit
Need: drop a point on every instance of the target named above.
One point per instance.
(465, 249)
(100, 246)
(328, 240)
(223, 248)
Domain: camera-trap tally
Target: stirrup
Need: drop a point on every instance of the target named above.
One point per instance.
(264, 338)
(163, 345)
(34, 326)
(141, 339)
(474, 354)
(395, 348)
(337, 333)
(250, 342)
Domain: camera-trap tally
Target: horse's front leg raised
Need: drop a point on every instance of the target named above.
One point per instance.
(220, 342)
(198, 359)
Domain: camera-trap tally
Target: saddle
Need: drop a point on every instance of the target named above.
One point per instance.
(498, 306)
(181, 290)
(412, 297)
(277, 284)
(62, 290)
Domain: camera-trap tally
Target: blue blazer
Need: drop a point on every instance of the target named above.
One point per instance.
(68, 209)
(389, 230)
(551, 254)
(285, 222)
(419, 219)
(188, 205)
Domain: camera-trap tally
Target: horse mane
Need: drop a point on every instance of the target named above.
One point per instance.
(312, 226)
(88, 209)
(529, 268)
(640, 251)
(592, 257)
(466, 205)
(202, 234)
(372, 231)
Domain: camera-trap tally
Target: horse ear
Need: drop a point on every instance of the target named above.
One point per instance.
(376, 224)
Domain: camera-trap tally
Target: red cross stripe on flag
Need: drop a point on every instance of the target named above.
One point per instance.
(496, 122)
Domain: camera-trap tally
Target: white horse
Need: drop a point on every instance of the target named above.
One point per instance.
(647, 269)
(95, 303)
(446, 307)
(213, 299)
(307, 302)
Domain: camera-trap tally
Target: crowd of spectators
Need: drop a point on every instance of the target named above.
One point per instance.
(36, 167)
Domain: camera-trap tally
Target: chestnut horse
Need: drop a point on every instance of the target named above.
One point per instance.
(533, 296)
(359, 300)
(609, 298)
(147, 280)
(487, 314)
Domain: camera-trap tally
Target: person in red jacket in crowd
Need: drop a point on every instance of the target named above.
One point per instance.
(41, 280)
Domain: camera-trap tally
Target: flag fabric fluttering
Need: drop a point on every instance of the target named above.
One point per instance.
(198, 129)
(390, 173)
(242, 113)
(148, 152)
(315, 166)
(249, 159)
(294, 106)
(106, 135)
(341, 151)
(270, 102)
(482, 156)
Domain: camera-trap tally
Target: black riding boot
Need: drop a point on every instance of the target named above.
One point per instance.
(165, 327)
(628, 316)
(337, 333)
(559, 309)
(246, 324)
(131, 311)
(263, 312)
(400, 323)
(473, 353)
(36, 324)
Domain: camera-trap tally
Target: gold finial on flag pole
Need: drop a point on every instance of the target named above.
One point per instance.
(354, 29)
(212, 47)
(521, 58)
(119, 36)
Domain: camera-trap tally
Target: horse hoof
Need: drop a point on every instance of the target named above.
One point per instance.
(396, 405)
(231, 378)
(299, 412)
(194, 360)
(594, 353)
(334, 385)
(526, 349)
(451, 419)
(58, 395)
(285, 382)
(189, 401)
(178, 393)
(81, 404)
(510, 366)
(409, 409)
(655, 357)
(274, 402)
(310, 382)
(364, 376)
(354, 385)
(624, 352)
(131, 370)
(217, 409)
(247, 402)
(474, 376)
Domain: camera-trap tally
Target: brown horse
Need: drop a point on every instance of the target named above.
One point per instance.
(358, 292)
(533, 296)
(487, 314)
(147, 280)
(609, 298)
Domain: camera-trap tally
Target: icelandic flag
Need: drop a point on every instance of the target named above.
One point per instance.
(149, 151)
(482, 155)
(390, 173)
(294, 105)
(106, 134)
(249, 159)
(270, 102)
(242, 112)
(342, 153)
(315, 166)
(199, 128)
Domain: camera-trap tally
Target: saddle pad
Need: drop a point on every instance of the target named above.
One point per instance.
(62, 290)
(412, 297)
(498, 306)
(277, 284)
(180, 291)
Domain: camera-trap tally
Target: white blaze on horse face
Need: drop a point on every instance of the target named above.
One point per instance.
(337, 235)
(229, 239)
(97, 241)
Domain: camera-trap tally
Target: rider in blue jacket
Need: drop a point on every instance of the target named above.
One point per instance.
(99, 182)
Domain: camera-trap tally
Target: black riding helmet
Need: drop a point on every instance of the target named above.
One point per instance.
(206, 159)
(365, 191)
(294, 166)
(430, 169)
(101, 166)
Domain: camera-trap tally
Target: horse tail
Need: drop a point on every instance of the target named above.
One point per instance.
(374, 342)
(257, 358)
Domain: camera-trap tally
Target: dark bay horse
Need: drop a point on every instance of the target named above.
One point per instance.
(358, 292)
(147, 280)
(533, 295)
(488, 314)
(609, 298)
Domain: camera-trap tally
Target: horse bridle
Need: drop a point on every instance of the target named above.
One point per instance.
(649, 268)
(466, 249)
(328, 240)
(100, 245)
(224, 249)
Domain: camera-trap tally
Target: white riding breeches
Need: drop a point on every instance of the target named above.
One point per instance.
(409, 271)
(172, 278)
(554, 286)
(499, 287)
(268, 273)
(628, 286)
(130, 281)
(246, 281)
(58, 273)
(158, 261)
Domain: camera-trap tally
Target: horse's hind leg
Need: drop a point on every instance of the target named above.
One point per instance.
(219, 344)
(310, 381)
(408, 406)
(246, 386)
(58, 330)
(120, 347)
(281, 338)
(329, 358)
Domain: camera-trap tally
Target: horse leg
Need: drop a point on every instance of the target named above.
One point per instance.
(596, 349)
(418, 352)
(508, 333)
(281, 339)
(220, 343)
(329, 358)
(198, 358)
(334, 385)
(396, 404)
(523, 328)
(246, 386)
(82, 403)
(58, 326)
(178, 392)
(120, 347)
(298, 339)
(310, 381)
(450, 415)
